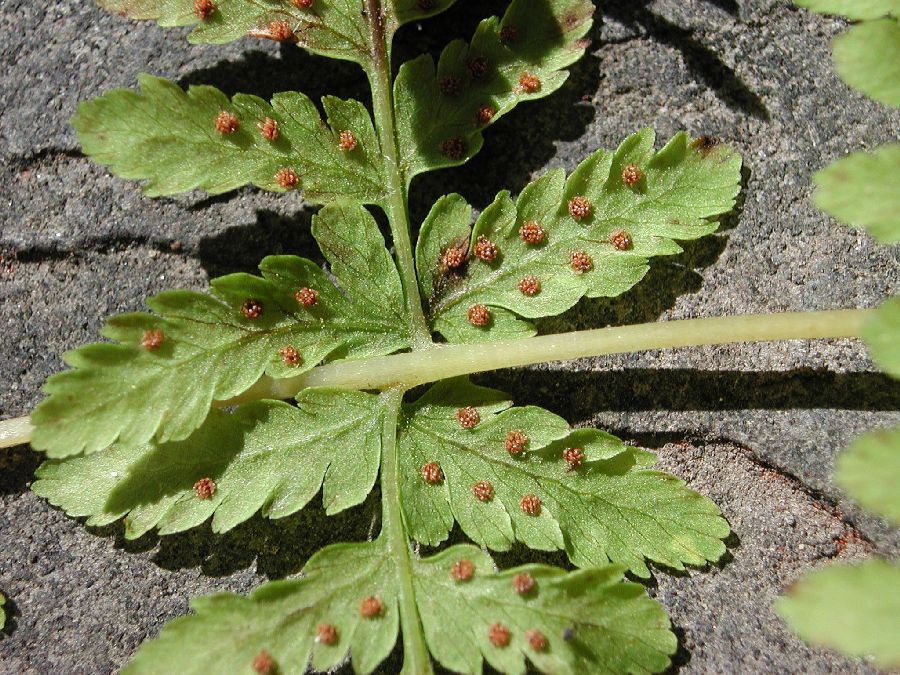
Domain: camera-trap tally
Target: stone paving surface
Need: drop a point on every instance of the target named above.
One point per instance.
(755, 427)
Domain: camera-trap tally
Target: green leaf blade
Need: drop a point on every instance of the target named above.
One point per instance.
(148, 135)
(538, 39)
(870, 472)
(854, 9)
(860, 189)
(611, 508)
(880, 335)
(681, 189)
(854, 609)
(867, 58)
(212, 351)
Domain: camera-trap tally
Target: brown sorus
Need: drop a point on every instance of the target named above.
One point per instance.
(499, 635)
(631, 175)
(431, 473)
(152, 339)
(478, 315)
(704, 144)
(268, 128)
(370, 607)
(326, 634)
(485, 115)
(281, 31)
(205, 488)
(580, 207)
(530, 84)
(462, 570)
(307, 296)
(483, 491)
(574, 457)
(536, 640)
(290, 356)
(302, 4)
(478, 67)
(204, 8)
(347, 141)
(581, 261)
(621, 240)
(287, 178)
(468, 417)
(252, 308)
(449, 85)
(263, 663)
(454, 148)
(509, 34)
(531, 504)
(523, 583)
(227, 123)
(485, 249)
(454, 257)
(516, 441)
(529, 285)
(532, 232)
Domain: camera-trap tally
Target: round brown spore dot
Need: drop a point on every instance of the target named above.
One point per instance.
(509, 34)
(580, 207)
(485, 115)
(478, 67)
(307, 296)
(499, 635)
(227, 123)
(531, 504)
(462, 570)
(326, 634)
(529, 285)
(268, 128)
(530, 84)
(426, 5)
(431, 473)
(205, 488)
(370, 607)
(621, 240)
(516, 441)
(574, 457)
(468, 417)
(287, 178)
(485, 249)
(453, 257)
(263, 663)
(252, 308)
(523, 583)
(152, 339)
(478, 315)
(347, 141)
(532, 232)
(449, 85)
(290, 356)
(302, 4)
(536, 640)
(483, 491)
(631, 175)
(281, 31)
(581, 262)
(204, 8)
(454, 148)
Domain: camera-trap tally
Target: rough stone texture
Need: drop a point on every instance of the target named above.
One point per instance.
(755, 427)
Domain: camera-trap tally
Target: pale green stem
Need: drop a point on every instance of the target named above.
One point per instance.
(396, 201)
(443, 361)
(416, 659)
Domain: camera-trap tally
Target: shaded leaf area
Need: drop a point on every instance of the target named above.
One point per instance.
(178, 141)
(335, 28)
(861, 190)
(610, 507)
(267, 456)
(441, 110)
(867, 57)
(167, 367)
(567, 623)
(870, 472)
(880, 334)
(854, 609)
(854, 9)
(635, 203)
